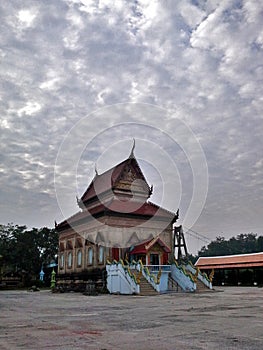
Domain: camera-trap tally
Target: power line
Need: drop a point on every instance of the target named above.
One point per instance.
(199, 235)
(196, 236)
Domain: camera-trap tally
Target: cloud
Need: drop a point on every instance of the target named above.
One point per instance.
(200, 61)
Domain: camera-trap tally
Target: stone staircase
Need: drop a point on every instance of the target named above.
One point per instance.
(145, 287)
(201, 288)
(173, 286)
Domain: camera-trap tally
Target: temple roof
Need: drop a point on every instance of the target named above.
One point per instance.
(108, 180)
(144, 247)
(230, 261)
(144, 211)
(116, 192)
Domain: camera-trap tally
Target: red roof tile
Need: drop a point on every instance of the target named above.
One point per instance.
(231, 261)
(137, 208)
(145, 210)
(143, 248)
(104, 182)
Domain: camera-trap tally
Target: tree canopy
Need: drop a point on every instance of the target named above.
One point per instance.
(25, 249)
(241, 244)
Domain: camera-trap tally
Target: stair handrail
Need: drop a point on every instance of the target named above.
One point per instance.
(185, 272)
(126, 269)
(174, 283)
(151, 278)
(200, 272)
(184, 278)
(201, 276)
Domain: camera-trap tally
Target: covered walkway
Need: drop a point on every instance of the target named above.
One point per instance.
(234, 269)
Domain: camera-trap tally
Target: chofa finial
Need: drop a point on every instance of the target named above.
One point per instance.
(96, 170)
(132, 150)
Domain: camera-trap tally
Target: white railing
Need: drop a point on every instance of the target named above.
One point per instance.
(157, 268)
(154, 270)
(150, 277)
(184, 280)
(201, 276)
(119, 280)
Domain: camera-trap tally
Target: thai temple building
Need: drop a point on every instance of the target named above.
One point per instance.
(121, 240)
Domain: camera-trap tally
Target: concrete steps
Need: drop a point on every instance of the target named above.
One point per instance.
(201, 288)
(173, 286)
(145, 287)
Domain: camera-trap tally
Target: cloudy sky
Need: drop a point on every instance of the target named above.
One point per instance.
(191, 74)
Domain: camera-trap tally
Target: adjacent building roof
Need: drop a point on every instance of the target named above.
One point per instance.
(230, 261)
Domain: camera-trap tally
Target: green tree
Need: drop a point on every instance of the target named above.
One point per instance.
(27, 250)
(218, 247)
(247, 243)
(192, 258)
(242, 244)
(47, 245)
(260, 244)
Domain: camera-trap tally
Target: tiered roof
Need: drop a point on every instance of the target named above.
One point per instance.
(109, 194)
(108, 180)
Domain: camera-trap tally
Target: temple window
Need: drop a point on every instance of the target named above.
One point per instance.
(69, 260)
(90, 256)
(61, 261)
(79, 258)
(101, 255)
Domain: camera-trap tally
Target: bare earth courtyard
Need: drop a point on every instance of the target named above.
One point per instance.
(230, 318)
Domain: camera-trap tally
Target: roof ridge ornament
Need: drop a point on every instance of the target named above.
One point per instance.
(96, 170)
(132, 150)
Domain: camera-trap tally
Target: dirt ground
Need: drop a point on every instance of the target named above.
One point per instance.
(229, 318)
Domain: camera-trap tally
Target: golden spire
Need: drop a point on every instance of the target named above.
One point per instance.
(132, 150)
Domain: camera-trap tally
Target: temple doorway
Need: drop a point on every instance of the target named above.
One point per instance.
(154, 259)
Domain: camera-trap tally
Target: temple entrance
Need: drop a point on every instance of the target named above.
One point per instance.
(115, 254)
(152, 252)
(154, 259)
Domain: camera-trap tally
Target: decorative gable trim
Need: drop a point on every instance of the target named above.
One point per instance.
(69, 245)
(78, 243)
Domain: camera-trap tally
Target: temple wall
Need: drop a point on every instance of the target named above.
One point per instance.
(82, 250)
(77, 253)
